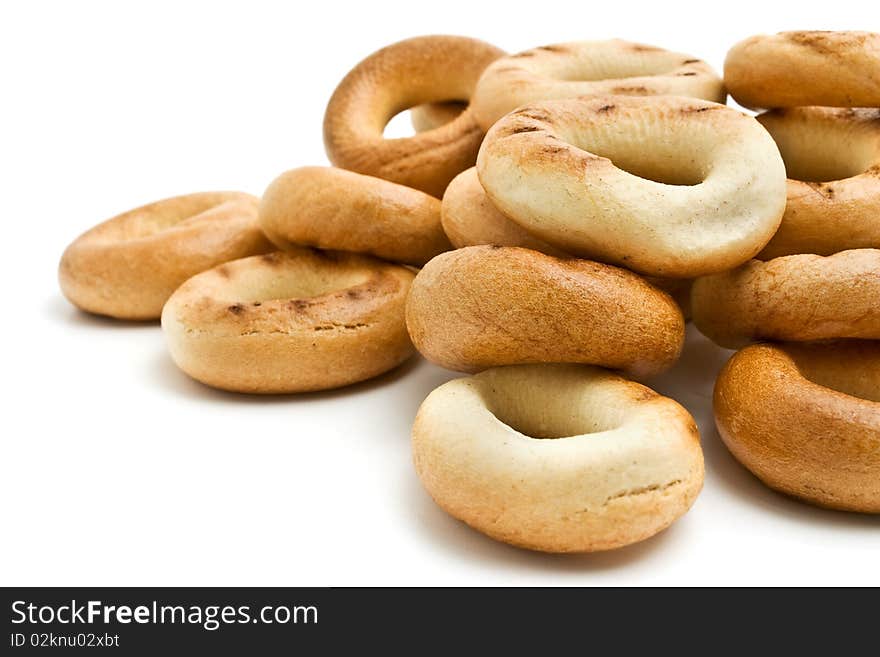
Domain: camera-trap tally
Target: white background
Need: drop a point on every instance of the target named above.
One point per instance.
(116, 469)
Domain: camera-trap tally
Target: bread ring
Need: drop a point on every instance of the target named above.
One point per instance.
(336, 209)
(558, 458)
(580, 174)
(408, 73)
(290, 322)
(483, 306)
(793, 298)
(832, 157)
(433, 115)
(789, 69)
(471, 219)
(590, 68)
(805, 419)
(128, 266)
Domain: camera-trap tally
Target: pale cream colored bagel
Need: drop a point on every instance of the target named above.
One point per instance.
(558, 458)
(128, 266)
(590, 68)
(471, 219)
(790, 69)
(805, 419)
(341, 210)
(580, 174)
(405, 74)
(290, 322)
(793, 298)
(433, 115)
(832, 157)
(484, 306)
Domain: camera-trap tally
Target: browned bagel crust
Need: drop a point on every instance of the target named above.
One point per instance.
(791, 69)
(805, 419)
(341, 210)
(793, 298)
(290, 322)
(405, 74)
(128, 266)
(483, 306)
(839, 212)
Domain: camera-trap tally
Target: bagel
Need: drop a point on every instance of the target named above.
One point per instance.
(484, 306)
(805, 419)
(590, 68)
(832, 157)
(582, 174)
(405, 74)
(341, 210)
(557, 458)
(128, 266)
(470, 219)
(793, 298)
(290, 322)
(790, 69)
(433, 115)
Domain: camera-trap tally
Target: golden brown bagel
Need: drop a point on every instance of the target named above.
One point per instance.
(793, 298)
(806, 420)
(405, 74)
(341, 210)
(590, 68)
(790, 69)
(832, 159)
(582, 174)
(433, 115)
(290, 322)
(471, 219)
(128, 266)
(558, 458)
(485, 306)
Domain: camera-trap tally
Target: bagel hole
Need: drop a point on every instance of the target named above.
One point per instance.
(144, 222)
(253, 286)
(544, 411)
(850, 378)
(594, 69)
(666, 160)
(657, 169)
(422, 118)
(822, 153)
(399, 127)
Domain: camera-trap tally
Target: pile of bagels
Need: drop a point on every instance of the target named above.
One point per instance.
(556, 219)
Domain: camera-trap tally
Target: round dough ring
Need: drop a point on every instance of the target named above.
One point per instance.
(405, 74)
(792, 69)
(341, 210)
(290, 322)
(581, 174)
(805, 419)
(590, 68)
(558, 458)
(128, 266)
(484, 306)
(797, 298)
(832, 159)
